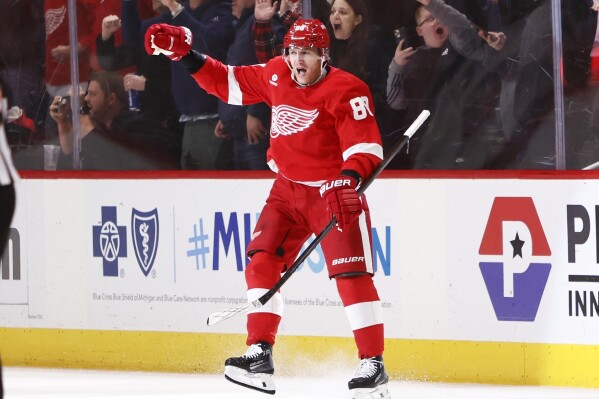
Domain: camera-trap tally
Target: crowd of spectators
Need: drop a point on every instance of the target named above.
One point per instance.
(484, 68)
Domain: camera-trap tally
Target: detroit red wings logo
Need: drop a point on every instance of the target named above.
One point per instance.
(54, 18)
(287, 120)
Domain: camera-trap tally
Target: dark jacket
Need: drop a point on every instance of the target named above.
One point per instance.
(243, 52)
(133, 142)
(157, 100)
(212, 27)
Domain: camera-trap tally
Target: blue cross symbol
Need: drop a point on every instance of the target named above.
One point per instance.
(110, 241)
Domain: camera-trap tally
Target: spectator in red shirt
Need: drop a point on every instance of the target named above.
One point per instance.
(58, 49)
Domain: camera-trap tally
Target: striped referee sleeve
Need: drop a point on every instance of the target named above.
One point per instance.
(8, 173)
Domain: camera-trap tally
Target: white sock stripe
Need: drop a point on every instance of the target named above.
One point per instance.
(255, 293)
(275, 305)
(364, 314)
(235, 95)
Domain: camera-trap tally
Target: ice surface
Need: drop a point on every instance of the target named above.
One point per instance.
(29, 383)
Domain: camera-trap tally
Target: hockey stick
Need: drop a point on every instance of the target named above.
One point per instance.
(217, 317)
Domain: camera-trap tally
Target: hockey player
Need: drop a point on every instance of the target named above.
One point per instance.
(323, 141)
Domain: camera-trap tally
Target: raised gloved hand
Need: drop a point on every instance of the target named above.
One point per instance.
(172, 41)
(342, 200)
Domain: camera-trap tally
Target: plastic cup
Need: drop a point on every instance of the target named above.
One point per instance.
(51, 153)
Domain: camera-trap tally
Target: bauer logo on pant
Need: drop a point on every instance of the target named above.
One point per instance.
(515, 259)
(349, 259)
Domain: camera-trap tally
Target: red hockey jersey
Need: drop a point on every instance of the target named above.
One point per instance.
(316, 130)
(57, 34)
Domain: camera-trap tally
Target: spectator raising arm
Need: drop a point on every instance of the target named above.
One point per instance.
(264, 38)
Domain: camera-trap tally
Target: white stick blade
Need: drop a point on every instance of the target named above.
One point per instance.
(221, 315)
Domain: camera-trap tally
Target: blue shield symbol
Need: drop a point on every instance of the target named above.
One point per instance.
(144, 228)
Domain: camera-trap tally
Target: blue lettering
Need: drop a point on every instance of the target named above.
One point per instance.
(385, 257)
(319, 265)
(201, 249)
(228, 233)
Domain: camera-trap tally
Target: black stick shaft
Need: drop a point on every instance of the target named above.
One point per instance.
(304, 255)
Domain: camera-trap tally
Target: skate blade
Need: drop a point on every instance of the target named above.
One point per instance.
(380, 392)
(258, 381)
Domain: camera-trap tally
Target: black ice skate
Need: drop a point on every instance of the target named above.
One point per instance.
(370, 380)
(254, 369)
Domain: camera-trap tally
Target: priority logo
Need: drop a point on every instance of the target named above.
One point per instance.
(514, 258)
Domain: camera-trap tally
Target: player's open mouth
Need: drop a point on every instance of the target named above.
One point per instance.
(336, 26)
(440, 31)
(301, 72)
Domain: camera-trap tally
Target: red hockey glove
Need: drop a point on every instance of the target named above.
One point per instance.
(172, 41)
(342, 200)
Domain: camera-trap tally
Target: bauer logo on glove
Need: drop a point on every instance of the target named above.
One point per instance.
(343, 201)
(335, 183)
(172, 41)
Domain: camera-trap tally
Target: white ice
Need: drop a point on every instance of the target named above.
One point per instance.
(29, 383)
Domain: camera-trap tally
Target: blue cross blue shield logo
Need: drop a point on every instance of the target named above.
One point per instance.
(144, 228)
(109, 241)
